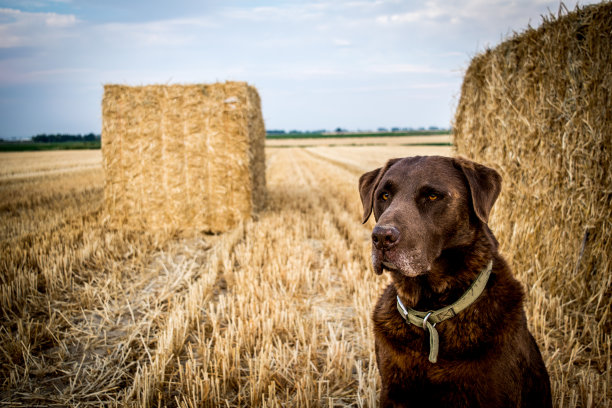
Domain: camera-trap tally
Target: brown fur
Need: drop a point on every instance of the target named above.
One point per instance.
(432, 236)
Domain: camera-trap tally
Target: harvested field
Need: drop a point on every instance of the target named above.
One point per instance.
(274, 312)
(45, 163)
(365, 158)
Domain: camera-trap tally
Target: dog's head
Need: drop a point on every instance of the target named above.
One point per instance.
(424, 205)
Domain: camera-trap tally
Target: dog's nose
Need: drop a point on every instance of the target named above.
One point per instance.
(385, 236)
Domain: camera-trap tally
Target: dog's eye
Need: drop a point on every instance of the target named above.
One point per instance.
(433, 197)
(384, 196)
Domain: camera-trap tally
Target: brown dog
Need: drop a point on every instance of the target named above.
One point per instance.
(474, 348)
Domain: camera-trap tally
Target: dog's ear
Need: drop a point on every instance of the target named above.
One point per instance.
(485, 186)
(368, 183)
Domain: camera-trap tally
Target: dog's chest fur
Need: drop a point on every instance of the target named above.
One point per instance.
(471, 344)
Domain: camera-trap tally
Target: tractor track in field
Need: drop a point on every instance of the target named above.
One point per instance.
(346, 222)
(355, 170)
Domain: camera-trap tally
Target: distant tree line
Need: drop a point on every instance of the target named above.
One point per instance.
(410, 129)
(294, 132)
(44, 138)
(280, 132)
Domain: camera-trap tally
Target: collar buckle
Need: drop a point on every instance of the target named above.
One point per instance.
(425, 321)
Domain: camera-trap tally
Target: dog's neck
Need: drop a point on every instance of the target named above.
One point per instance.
(450, 276)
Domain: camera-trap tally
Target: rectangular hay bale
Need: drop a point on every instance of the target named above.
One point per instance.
(182, 157)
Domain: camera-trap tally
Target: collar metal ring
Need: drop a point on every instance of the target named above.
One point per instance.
(425, 320)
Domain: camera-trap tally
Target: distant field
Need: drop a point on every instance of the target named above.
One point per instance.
(416, 140)
(46, 163)
(273, 313)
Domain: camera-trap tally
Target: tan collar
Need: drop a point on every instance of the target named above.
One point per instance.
(428, 320)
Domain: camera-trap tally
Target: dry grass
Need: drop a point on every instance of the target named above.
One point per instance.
(275, 312)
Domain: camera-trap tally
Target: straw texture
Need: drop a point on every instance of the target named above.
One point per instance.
(182, 157)
(539, 109)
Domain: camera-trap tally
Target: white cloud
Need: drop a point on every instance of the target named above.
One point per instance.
(285, 13)
(405, 69)
(340, 42)
(487, 13)
(430, 11)
(20, 28)
(456, 16)
(60, 20)
(19, 77)
(156, 33)
(300, 72)
(384, 88)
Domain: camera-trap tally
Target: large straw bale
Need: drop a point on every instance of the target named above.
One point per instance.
(538, 108)
(182, 157)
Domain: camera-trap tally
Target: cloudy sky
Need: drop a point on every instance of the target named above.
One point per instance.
(319, 64)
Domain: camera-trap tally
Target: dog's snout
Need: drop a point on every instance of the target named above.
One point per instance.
(385, 236)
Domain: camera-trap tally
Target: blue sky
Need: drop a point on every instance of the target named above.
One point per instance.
(322, 64)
